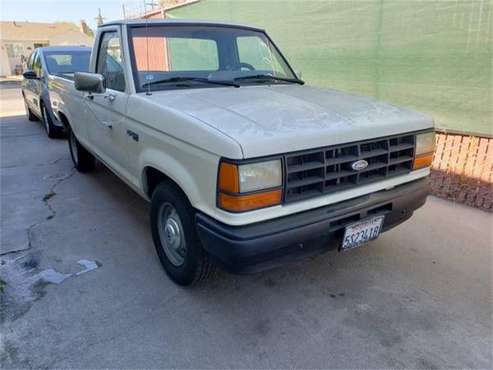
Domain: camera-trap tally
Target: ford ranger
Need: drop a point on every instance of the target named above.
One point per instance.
(244, 165)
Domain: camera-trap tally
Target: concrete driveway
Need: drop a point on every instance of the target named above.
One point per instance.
(83, 288)
(10, 98)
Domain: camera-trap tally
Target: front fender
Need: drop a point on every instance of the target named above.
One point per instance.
(194, 180)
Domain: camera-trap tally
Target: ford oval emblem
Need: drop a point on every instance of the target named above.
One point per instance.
(359, 165)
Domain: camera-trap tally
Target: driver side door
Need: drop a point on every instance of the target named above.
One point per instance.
(107, 126)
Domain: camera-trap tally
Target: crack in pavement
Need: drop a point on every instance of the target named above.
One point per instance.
(55, 161)
(46, 200)
(21, 281)
(52, 192)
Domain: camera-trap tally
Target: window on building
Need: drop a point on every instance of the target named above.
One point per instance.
(40, 45)
(14, 50)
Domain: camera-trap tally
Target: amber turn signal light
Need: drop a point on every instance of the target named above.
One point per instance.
(422, 161)
(248, 202)
(228, 178)
(230, 198)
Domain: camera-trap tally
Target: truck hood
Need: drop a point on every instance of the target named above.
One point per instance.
(275, 119)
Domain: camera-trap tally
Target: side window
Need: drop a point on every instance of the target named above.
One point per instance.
(110, 63)
(37, 64)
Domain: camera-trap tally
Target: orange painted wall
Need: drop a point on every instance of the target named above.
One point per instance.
(157, 52)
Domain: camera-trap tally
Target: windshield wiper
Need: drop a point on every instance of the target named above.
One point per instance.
(185, 79)
(270, 77)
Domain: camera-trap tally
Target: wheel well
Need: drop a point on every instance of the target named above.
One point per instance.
(153, 177)
(64, 120)
(41, 105)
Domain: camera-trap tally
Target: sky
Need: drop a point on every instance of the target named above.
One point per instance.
(66, 10)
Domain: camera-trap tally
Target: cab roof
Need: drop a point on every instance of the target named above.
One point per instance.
(178, 22)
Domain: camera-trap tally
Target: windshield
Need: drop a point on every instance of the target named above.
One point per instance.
(170, 57)
(67, 61)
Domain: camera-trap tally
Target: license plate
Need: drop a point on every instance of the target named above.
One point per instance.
(361, 232)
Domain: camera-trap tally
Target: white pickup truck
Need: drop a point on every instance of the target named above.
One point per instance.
(244, 165)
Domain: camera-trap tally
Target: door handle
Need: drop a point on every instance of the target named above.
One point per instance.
(111, 97)
(133, 135)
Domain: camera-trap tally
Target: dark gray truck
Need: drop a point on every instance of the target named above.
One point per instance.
(43, 64)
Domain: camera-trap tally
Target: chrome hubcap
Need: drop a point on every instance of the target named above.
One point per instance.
(171, 234)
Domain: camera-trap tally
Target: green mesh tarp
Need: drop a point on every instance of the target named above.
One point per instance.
(433, 56)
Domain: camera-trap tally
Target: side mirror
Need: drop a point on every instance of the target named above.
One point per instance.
(30, 75)
(89, 82)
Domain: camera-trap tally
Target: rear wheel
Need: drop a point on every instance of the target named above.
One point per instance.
(51, 130)
(176, 241)
(82, 159)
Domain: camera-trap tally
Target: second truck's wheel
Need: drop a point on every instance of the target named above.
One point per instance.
(30, 115)
(51, 130)
(176, 241)
(82, 159)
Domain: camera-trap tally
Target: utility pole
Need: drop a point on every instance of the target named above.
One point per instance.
(151, 3)
(99, 19)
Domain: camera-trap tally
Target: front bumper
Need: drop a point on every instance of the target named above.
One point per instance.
(263, 245)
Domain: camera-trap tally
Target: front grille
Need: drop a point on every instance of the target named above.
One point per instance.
(327, 170)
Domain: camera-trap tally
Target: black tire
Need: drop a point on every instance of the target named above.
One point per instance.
(52, 131)
(196, 265)
(30, 115)
(82, 159)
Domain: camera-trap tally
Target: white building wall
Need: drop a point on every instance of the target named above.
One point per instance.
(4, 62)
(14, 53)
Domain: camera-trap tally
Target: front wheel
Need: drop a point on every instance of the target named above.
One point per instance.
(82, 159)
(30, 115)
(51, 130)
(176, 241)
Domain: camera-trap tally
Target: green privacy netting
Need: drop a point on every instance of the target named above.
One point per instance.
(434, 56)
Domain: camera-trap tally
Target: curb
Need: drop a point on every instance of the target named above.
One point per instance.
(12, 114)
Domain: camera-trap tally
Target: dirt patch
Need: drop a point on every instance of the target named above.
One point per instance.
(475, 193)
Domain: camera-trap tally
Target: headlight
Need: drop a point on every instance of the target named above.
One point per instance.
(425, 143)
(244, 187)
(262, 175)
(425, 148)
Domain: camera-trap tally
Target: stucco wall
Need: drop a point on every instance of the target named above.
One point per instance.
(24, 36)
